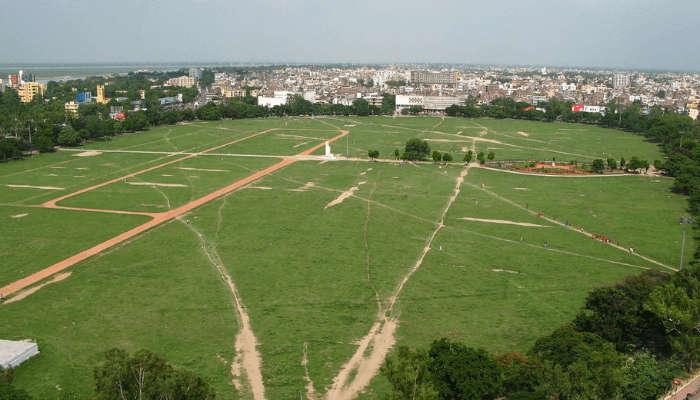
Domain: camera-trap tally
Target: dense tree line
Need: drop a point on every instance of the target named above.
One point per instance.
(628, 342)
(42, 125)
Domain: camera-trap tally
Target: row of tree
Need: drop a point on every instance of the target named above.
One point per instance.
(628, 342)
(41, 126)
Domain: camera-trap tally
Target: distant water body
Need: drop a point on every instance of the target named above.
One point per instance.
(62, 72)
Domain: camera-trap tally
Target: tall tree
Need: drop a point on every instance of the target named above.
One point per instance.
(677, 304)
(145, 376)
(462, 373)
(409, 376)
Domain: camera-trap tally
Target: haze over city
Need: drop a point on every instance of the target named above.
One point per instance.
(622, 34)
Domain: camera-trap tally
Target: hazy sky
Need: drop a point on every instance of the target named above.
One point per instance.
(661, 34)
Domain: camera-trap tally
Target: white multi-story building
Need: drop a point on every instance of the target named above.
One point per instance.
(310, 95)
(621, 81)
(428, 103)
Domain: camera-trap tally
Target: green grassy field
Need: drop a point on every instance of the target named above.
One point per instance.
(310, 270)
(565, 142)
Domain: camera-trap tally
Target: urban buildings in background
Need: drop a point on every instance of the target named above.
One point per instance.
(621, 81)
(425, 86)
(435, 78)
(184, 81)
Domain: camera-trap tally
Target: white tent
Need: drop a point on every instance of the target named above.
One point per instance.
(14, 353)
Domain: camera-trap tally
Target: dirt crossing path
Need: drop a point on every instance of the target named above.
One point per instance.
(356, 374)
(157, 220)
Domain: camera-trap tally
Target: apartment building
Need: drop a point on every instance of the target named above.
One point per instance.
(28, 90)
(183, 81)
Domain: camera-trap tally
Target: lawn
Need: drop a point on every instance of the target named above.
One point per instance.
(171, 186)
(637, 211)
(34, 238)
(312, 270)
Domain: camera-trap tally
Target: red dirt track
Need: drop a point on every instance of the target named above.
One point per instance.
(158, 218)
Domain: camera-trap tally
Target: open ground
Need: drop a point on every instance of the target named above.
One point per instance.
(236, 250)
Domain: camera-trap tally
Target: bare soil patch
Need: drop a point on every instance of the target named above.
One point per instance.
(507, 271)
(19, 215)
(90, 153)
(342, 197)
(35, 187)
(307, 186)
(521, 133)
(28, 292)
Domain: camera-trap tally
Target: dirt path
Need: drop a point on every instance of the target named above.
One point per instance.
(28, 292)
(690, 387)
(248, 359)
(507, 171)
(52, 203)
(501, 221)
(356, 374)
(563, 225)
(157, 220)
(310, 390)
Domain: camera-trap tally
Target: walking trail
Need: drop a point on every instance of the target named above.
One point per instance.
(157, 218)
(356, 374)
(248, 362)
(570, 227)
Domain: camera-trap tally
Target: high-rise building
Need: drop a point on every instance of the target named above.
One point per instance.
(28, 90)
(621, 81)
(101, 94)
(435, 78)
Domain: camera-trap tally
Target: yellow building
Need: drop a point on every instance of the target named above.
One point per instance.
(28, 90)
(100, 94)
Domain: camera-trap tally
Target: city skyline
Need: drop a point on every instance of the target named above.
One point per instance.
(624, 35)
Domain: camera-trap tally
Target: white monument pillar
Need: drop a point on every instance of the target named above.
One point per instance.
(329, 155)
